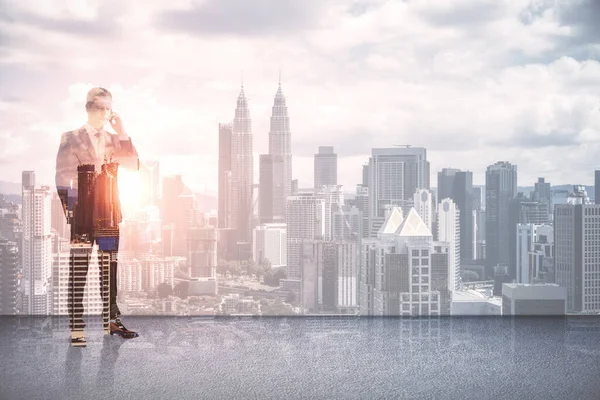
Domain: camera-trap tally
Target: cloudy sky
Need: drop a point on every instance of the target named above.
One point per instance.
(473, 81)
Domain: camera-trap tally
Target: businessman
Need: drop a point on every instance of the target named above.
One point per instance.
(90, 146)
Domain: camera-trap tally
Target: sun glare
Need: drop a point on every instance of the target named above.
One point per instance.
(129, 189)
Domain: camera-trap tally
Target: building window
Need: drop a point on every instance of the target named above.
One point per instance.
(425, 261)
(425, 253)
(415, 262)
(415, 253)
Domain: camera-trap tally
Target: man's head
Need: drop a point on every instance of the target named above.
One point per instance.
(98, 106)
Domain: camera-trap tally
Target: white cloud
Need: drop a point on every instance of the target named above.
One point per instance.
(472, 88)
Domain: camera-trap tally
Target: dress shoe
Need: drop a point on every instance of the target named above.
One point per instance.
(117, 328)
(78, 339)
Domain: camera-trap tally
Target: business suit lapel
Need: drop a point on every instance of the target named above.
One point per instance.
(109, 149)
(84, 143)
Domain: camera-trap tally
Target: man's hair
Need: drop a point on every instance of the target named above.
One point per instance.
(96, 92)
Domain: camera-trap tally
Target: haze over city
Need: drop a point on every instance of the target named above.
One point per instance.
(479, 82)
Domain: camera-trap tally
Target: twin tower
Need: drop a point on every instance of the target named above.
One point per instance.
(236, 173)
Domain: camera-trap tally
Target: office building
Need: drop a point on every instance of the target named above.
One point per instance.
(500, 188)
(305, 221)
(534, 252)
(423, 204)
(538, 299)
(280, 140)
(272, 194)
(325, 168)
(36, 256)
(449, 232)
(458, 186)
(242, 168)
(399, 270)
(270, 245)
(9, 270)
(394, 176)
(577, 253)
(224, 175)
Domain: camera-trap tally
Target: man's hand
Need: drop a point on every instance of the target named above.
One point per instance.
(117, 124)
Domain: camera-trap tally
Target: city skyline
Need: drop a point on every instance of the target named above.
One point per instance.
(515, 81)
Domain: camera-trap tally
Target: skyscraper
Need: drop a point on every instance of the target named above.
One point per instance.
(242, 170)
(334, 199)
(150, 181)
(500, 188)
(522, 211)
(577, 251)
(305, 220)
(36, 248)
(9, 269)
(394, 175)
(225, 131)
(280, 138)
(543, 192)
(423, 205)
(597, 187)
(325, 169)
(449, 231)
(271, 198)
(458, 186)
(401, 261)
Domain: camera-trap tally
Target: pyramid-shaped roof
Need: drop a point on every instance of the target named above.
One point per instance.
(413, 225)
(392, 223)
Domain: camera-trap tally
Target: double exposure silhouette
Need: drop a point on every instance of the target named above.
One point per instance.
(87, 166)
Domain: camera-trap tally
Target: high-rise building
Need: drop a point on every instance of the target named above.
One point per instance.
(543, 193)
(446, 180)
(577, 254)
(172, 187)
(77, 256)
(325, 168)
(538, 299)
(394, 175)
(242, 167)
(597, 186)
(272, 195)
(58, 220)
(9, 269)
(329, 276)
(449, 232)
(305, 221)
(280, 139)
(534, 252)
(423, 205)
(270, 244)
(362, 203)
(397, 268)
(149, 182)
(202, 251)
(27, 180)
(347, 224)
(333, 196)
(458, 186)
(36, 248)
(523, 211)
(500, 188)
(225, 131)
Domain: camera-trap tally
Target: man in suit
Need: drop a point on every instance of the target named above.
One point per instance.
(93, 146)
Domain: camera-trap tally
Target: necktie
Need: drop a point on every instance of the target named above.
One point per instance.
(99, 149)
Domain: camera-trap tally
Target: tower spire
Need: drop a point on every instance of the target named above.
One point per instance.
(242, 73)
(279, 76)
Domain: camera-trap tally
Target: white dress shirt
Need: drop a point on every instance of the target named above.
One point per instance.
(98, 139)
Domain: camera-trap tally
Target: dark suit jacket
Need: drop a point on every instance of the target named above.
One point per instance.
(76, 148)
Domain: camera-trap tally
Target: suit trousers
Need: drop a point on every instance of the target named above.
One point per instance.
(79, 262)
